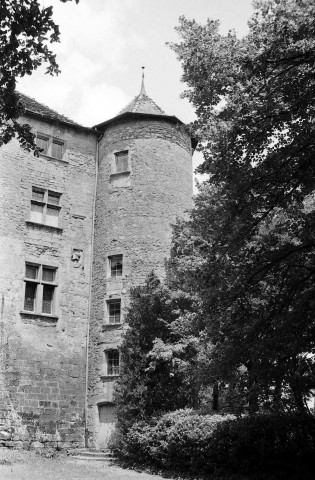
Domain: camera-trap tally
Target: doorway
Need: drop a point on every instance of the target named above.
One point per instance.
(106, 424)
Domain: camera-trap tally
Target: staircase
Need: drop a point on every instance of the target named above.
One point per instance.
(91, 454)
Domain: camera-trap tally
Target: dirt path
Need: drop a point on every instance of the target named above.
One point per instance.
(20, 465)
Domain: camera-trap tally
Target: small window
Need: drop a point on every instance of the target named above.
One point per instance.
(53, 198)
(31, 271)
(45, 207)
(52, 216)
(42, 143)
(50, 146)
(116, 265)
(112, 361)
(114, 311)
(38, 194)
(48, 296)
(48, 274)
(57, 149)
(30, 296)
(40, 289)
(121, 159)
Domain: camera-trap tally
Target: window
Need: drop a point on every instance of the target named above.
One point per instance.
(57, 149)
(112, 362)
(114, 311)
(30, 295)
(115, 265)
(45, 207)
(40, 289)
(42, 143)
(121, 162)
(50, 146)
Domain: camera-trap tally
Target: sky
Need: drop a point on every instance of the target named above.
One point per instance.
(104, 44)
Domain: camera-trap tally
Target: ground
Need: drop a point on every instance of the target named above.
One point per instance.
(22, 465)
(26, 465)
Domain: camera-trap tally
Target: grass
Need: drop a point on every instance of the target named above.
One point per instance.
(30, 465)
(25, 465)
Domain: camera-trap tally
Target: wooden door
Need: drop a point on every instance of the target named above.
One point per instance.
(107, 424)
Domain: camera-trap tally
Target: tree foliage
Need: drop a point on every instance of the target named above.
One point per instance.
(155, 373)
(26, 31)
(248, 249)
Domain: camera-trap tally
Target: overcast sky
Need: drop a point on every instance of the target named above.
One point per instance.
(104, 44)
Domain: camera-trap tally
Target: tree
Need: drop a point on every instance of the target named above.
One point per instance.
(26, 30)
(248, 249)
(155, 362)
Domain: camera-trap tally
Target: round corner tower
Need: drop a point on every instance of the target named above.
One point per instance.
(144, 182)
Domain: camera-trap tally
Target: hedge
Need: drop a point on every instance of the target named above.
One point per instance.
(178, 439)
(284, 443)
(186, 441)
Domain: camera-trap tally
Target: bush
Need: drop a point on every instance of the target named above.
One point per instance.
(181, 439)
(184, 440)
(178, 439)
(266, 443)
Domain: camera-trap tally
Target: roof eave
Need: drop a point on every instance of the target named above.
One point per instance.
(48, 119)
(171, 118)
(155, 116)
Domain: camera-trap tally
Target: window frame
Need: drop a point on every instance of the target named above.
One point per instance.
(46, 205)
(114, 162)
(125, 155)
(110, 302)
(110, 259)
(40, 136)
(40, 283)
(113, 370)
(48, 152)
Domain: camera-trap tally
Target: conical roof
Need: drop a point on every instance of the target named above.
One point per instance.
(142, 103)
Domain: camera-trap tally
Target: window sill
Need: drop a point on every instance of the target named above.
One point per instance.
(117, 174)
(44, 226)
(108, 378)
(112, 326)
(39, 317)
(49, 157)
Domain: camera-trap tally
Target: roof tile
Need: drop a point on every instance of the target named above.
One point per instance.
(142, 104)
(32, 106)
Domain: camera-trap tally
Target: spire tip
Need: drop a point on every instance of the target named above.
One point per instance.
(142, 91)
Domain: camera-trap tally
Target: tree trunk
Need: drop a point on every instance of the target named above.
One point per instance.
(215, 397)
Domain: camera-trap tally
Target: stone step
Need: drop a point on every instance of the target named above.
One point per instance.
(84, 449)
(90, 454)
(90, 458)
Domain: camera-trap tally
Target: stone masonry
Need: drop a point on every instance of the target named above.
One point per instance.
(134, 213)
(42, 358)
(56, 380)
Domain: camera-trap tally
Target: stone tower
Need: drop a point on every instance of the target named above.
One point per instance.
(144, 182)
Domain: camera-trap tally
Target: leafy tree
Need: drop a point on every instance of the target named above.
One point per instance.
(248, 249)
(155, 361)
(26, 31)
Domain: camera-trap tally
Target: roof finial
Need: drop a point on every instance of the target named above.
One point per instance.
(142, 91)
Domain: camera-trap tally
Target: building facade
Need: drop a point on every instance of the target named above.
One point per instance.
(81, 224)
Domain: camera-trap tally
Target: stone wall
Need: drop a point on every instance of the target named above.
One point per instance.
(134, 213)
(42, 357)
